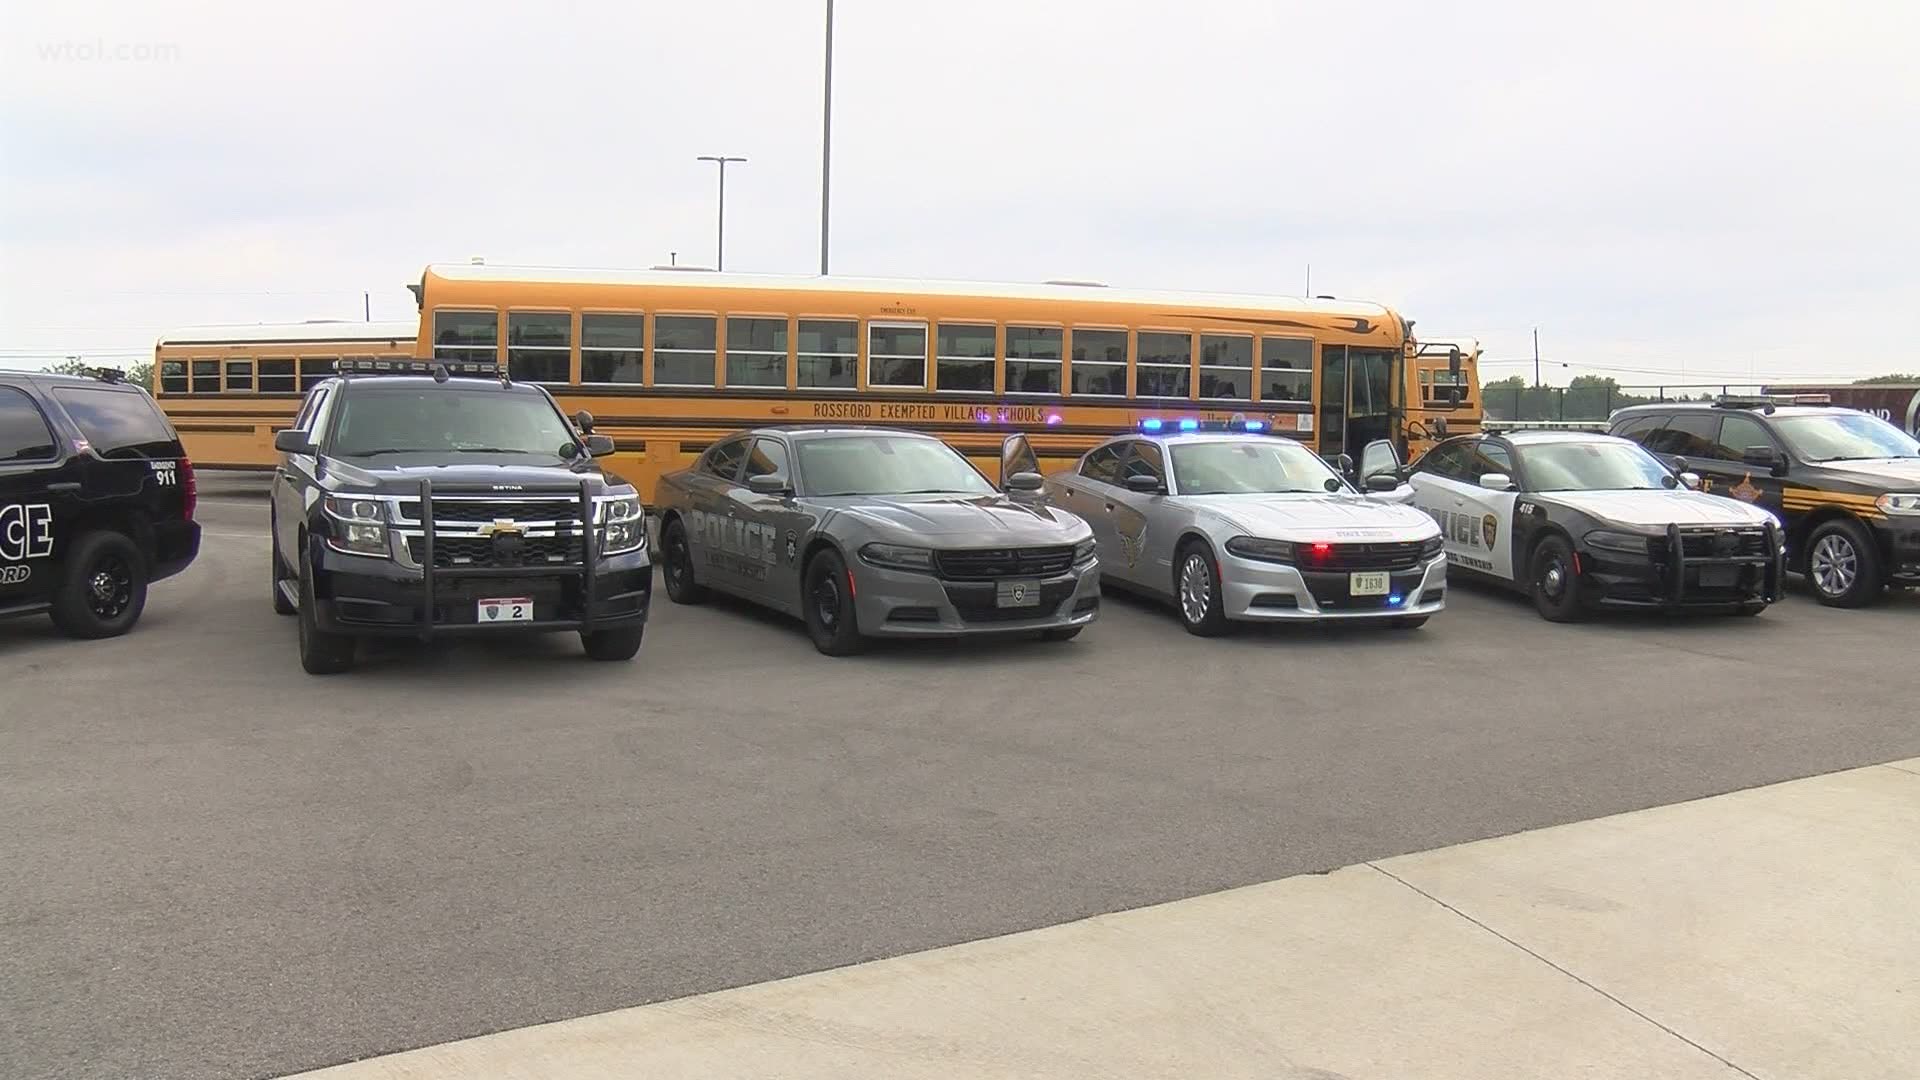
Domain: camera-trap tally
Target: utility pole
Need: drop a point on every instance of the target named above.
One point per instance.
(1309, 279)
(1536, 356)
(366, 310)
(720, 246)
(826, 143)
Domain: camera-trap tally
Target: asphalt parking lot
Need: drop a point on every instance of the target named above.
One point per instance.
(214, 865)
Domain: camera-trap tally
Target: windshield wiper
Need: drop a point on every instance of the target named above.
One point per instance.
(489, 450)
(937, 491)
(385, 450)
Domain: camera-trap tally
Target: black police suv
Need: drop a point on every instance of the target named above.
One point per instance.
(96, 500)
(1846, 483)
(416, 505)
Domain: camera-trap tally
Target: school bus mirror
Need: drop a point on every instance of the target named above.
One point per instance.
(1453, 362)
(292, 442)
(584, 421)
(599, 445)
(769, 484)
(1031, 481)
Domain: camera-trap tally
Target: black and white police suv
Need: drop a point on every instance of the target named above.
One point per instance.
(1580, 519)
(96, 500)
(410, 505)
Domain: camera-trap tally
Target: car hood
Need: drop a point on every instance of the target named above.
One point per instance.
(1892, 474)
(401, 474)
(1658, 509)
(1316, 517)
(982, 519)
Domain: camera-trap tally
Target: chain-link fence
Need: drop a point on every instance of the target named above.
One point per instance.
(1594, 402)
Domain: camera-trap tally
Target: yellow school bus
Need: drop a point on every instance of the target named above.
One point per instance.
(669, 360)
(228, 388)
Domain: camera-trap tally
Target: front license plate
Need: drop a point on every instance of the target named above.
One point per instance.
(507, 609)
(1718, 577)
(1373, 584)
(1016, 594)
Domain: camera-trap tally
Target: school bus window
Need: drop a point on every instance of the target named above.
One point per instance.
(964, 357)
(1286, 369)
(829, 353)
(206, 376)
(1100, 362)
(239, 375)
(315, 368)
(1226, 367)
(539, 346)
(1164, 365)
(1033, 359)
(757, 352)
(465, 336)
(276, 377)
(613, 348)
(897, 354)
(173, 376)
(683, 350)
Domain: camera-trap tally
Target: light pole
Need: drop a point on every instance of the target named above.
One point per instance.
(720, 247)
(826, 142)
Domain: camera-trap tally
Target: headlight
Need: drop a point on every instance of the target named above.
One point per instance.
(359, 525)
(1085, 551)
(1251, 547)
(898, 557)
(1906, 502)
(1431, 546)
(622, 524)
(1623, 542)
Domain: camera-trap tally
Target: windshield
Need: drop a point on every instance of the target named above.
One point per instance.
(886, 465)
(443, 419)
(1591, 466)
(1247, 467)
(1845, 437)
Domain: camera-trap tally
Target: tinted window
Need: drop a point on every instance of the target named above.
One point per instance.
(683, 350)
(612, 348)
(897, 354)
(1147, 460)
(1100, 362)
(1286, 369)
(276, 377)
(118, 423)
(1161, 368)
(1736, 434)
(1103, 464)
(239, 374)
(445, 419)
(963, 357)
(1641, 428)
(467, 336)
(1488, 457)
(315, 369)
(723, 461)
(24, 435)
(757, 352)
(1033, 359)
(1447, 459)
(540, 346)
(769, 458)
(173, 376)
(1688, 434)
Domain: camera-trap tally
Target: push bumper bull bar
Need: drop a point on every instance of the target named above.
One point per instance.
(587, 570)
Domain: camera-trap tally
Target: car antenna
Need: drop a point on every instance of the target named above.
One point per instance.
(440, 373)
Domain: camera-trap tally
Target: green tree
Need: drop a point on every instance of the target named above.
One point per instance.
(140, 374)
(1896, 377)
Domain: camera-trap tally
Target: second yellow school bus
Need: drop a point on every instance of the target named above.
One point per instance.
(667, 361)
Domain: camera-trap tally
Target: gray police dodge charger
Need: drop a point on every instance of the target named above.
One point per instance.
(873, 532)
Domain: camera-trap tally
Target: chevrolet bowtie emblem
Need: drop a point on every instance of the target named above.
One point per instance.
(501, 527)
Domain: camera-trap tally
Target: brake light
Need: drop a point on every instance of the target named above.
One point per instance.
(189, 486)
(1321, 551)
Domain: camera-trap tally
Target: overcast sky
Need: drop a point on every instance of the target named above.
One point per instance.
(1724, 190)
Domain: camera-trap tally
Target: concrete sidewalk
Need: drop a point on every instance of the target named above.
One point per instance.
(1770, 933)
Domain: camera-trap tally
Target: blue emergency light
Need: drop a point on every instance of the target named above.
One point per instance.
(1189, 425)
(1150, 424)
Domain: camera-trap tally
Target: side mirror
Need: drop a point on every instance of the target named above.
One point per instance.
(1496, 481)
(769, 484)
(1681, 465)
(1024, 481)
(291, 441)
(1690, 481)
(584, 421)
(1345, 464)
(1145, 484)
(1383, 482)
(1767, 458)
(599, 445)
(1453, 362)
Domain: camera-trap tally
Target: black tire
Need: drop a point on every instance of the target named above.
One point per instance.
(621, 644)
(676, 566)
(1065, 633)
(827, 605)
(278, 576)
(1551, 582)
(1410, 622)
(1843, 566)
(104, 588)
(1201, 611)
(321, 653)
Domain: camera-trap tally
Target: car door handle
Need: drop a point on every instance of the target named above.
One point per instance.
(64, 487)
(1109, 508)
